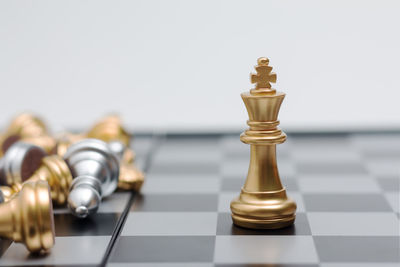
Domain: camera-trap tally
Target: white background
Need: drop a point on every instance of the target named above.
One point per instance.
(181, 65)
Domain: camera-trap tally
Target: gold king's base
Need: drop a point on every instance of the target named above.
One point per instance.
(263, 203)
(263, 210)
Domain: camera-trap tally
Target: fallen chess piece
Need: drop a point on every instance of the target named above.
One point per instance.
(27, 162)
(107, 129)
(263, 203)
(95, 170)
(28, 217)
(130, 177)
(110, 130)
(8, 192)
(28, 128)
(20, 162)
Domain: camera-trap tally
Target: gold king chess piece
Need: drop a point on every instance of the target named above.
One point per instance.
(263, 203)
(28, 217)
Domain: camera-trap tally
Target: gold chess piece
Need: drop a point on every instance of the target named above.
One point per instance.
(65, 140)
(110, 129)
(107, 129)
(130, 178)
(28, 217)
(9, 191)
(263, 203)
(55, 171)
(28, 128)
(27, 162)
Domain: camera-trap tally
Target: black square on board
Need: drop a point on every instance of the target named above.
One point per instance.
(98, 224)
(358, 248)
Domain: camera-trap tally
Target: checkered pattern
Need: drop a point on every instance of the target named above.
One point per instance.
(346, 188)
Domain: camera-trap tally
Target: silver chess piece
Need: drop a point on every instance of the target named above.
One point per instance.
(118, 148)
(20, 162)
(95, 171)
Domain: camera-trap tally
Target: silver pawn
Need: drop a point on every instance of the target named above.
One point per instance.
(20, 162)
(95, 171)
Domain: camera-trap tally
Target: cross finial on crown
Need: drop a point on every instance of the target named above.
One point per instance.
(264, 76)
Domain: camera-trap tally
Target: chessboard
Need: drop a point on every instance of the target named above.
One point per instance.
(346, 186)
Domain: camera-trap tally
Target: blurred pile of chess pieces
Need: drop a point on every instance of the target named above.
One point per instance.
(38, 169)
